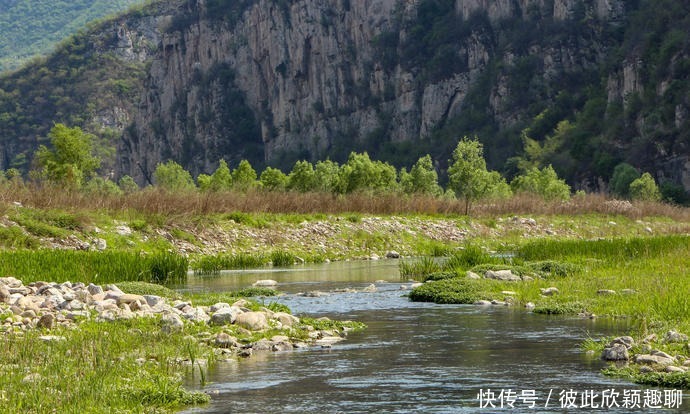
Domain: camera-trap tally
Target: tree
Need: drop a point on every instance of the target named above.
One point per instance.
(544, 182)
(71, 161)
(422, 178)
(172, 177)
(302, 177)
(326, 176)
(623, 175)
(645, 189)
(127, 184)
(221, 179)
(273, 179)
(244, 176)
(468, 176)
(360, 173)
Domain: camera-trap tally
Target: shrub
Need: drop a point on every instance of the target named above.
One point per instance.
(172, 177)
(623, 175)
(457, 291)
(273, 179)
(645, 189)
(544, 182)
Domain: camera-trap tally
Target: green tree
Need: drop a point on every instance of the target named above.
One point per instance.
(468, 176)
(244, 176)
(101, 187)
(623, 175)
(326, 176)
(544, 182)
(360, 173)
(71, 161)
(171, 176)
(645, 189)
(203, 181)
(422, 178)
(302, 177)
(273, 179)
(128, 185)
(221, 179)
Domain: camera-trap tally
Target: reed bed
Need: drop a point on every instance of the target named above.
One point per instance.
(159, 202)
(93, 267)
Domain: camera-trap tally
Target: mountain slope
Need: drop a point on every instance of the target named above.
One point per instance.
(589, 83)
(33, 27)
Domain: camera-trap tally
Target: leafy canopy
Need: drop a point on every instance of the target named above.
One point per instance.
(71, 161)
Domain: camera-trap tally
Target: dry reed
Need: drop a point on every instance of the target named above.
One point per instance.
(155, 201)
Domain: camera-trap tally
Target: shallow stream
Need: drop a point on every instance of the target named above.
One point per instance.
(414, 357)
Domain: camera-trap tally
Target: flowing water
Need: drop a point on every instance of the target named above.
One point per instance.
(414, 357)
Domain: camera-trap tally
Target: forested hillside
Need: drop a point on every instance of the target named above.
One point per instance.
(583, 85)
(33, 27)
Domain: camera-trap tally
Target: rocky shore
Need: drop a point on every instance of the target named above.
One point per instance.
(50, 306)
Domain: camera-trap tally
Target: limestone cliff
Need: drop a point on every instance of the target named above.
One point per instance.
(277, 80)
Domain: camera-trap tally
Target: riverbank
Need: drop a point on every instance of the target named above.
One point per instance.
(642, 279)
(91, 348)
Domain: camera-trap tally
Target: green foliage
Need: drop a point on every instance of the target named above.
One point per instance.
(101, 187)
(623, 175)
(170, 176)
(326, 176)
(455, 290)
(645, 188)
(14, 237)
(213, 264)
(244, 176)
(71, 161)
(127, 184)
(146, 288)
(221, 180)
(302, 178)
(468, 175)
(281, 258)
(361, 174)
(33, 27)
(422, 178)
(418, 269)
(544, 182)
(273, 179)
(96, 267)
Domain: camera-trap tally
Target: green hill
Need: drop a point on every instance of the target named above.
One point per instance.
(33, 27)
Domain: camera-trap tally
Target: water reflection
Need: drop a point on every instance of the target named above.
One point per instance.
(412, 357)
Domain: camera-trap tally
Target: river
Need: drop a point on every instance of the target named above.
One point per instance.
(416, 357)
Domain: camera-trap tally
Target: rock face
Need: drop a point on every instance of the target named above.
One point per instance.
(309, 76)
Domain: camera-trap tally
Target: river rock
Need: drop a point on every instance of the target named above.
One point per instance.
(654, 359)
(605, 292)
(153, 300)
(416, 285)
(241, 303)
(530, 306)
(472, 275)
(10, 282)
(504, 275)
(392, 255)
(673, 368)
(265, 283)
(129, 299)
(254, 321)
(483, 303)
(4, 294)
(218, 306)
(626, 341)
(46, 321)
(94, 289)
(171, 323)
(285, 318)
(370, 289)
(674, 337)
(328, 341)
(374, 256)
(225, 316)
(263, 345)
(196, 315)
(617, 352)
(223, 340)
(550, 291)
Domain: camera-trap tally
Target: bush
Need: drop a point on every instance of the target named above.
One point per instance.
(645, 189)
(172, 177)
(273, 179)
(623, 175)
(544, 183)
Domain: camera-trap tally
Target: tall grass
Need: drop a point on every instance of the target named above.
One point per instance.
(155, 201)
(213, 264)
(96, 267)
(622, 248)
